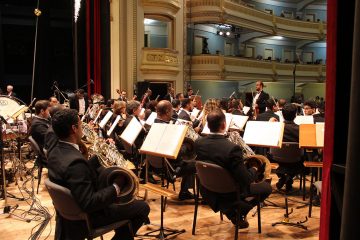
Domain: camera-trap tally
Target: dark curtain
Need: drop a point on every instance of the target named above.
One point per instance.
(351, 202)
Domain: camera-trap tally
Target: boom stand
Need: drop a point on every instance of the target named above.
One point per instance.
(3, 189)
(163, 232)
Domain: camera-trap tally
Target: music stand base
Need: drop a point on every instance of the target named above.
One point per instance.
(163, 233)
(286, 223)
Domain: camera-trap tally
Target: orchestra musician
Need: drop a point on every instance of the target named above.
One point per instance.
(216, 149)
(187, 107)
(41, 122)
(133, 109)
(68, 168)
(271, 108)
(259, 100)
(10, 91)
(53, 101)
(185, 170)
(80, 102)
(170, 95)
(122, 95)
(189, 93)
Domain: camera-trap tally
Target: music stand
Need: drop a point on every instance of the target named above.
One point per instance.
(163, 140)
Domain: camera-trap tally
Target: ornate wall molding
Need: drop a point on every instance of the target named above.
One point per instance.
(225, 11)
(161, 61)
(170, 7)
(217, 67)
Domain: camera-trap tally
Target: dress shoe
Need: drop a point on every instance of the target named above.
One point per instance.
(243, 223)
(280, 183)
(289, 183)
(186, 195)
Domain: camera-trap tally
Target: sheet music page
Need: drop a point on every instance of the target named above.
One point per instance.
(151, 119)
(320, 134)
(246, 109)
(228, 119)
(97, 116)
(132, 131)
(304, 120)
(194, 114)
(238, 122)
(117, 119)
(171, 140)
(142, 111)
(263, 133)
(105, 119)
(153, 137)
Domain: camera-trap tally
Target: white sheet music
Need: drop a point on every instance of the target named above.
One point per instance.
(320, 134)
(228, 118)
(238, 122)
(105, 119)
(194, 114)
(164, 139)
(281, 117)
(263, 133)
(132, 131)
(117, 119)
(246, 109)
(304, 120)
(151, 119)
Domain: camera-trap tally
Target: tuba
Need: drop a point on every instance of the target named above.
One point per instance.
(115, 165)
(258, 161)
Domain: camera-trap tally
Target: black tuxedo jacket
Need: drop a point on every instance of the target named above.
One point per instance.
(319, 117)
(265, 116)
(74, 103)
(68, 168)
(261, 101)
(184, 116)
(219, 150)
(168, 97)
(38, 130)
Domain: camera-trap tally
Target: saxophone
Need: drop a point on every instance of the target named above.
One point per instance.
(115, 166)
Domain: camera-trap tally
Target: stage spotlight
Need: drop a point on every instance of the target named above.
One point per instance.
(227, 33)
(221, 33)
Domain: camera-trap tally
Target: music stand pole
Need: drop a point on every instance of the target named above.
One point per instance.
(6, 208)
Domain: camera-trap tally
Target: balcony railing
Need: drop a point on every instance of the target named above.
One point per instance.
(225, 11)
(160, 61)
(218, 67)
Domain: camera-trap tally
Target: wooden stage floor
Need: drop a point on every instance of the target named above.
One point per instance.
(178, 215)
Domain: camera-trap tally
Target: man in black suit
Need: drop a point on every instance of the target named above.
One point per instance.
(176, 107)
(287, 171)
(270, 112)
(40, 122)
(170, 95)
(68, 168)
(183, 169)
(216, 149)
(80, 102)
(185, 112)
(50, 137)
(259, 100)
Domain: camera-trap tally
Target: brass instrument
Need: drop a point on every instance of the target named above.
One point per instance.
(115, 166)
(188, 154)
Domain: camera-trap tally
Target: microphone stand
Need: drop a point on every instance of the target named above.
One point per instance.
(60, 92)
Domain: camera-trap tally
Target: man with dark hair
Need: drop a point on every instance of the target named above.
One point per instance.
(80, 102)
(216, 149)
(259, 100)
(133, 108)
(170, 96)
(309, 107)
(50, 137)
(320, 117)
(189, 93)
(53, 101)
(286, 171)
(187, 107)
(183, 169)
(40, 122)
(68, 168)
(271, 108)
(281, 103)
(176, 107)
(179, 96)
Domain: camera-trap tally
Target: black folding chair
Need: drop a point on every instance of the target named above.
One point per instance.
(40, 159)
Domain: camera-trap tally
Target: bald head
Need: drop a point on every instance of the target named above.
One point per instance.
(164, 110)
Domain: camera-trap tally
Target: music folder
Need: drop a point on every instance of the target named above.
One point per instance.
(105, 119)
(131, 131)
(246, 109)
(228, 118)
(164, 140)
(264, 134)
(238, 122)
(117, 119)
(312, 135)
(150, 120)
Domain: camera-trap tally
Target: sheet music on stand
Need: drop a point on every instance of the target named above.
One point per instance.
(281, 117)
(238, 122)
(105, 119)
(264, 134)
(114, 124)
(194, 114)
(164, 140)
(97, 116)
(246, 109)
(311, 135)
(304, 120)
(151, 118)
(131, 131)
(228, 117)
